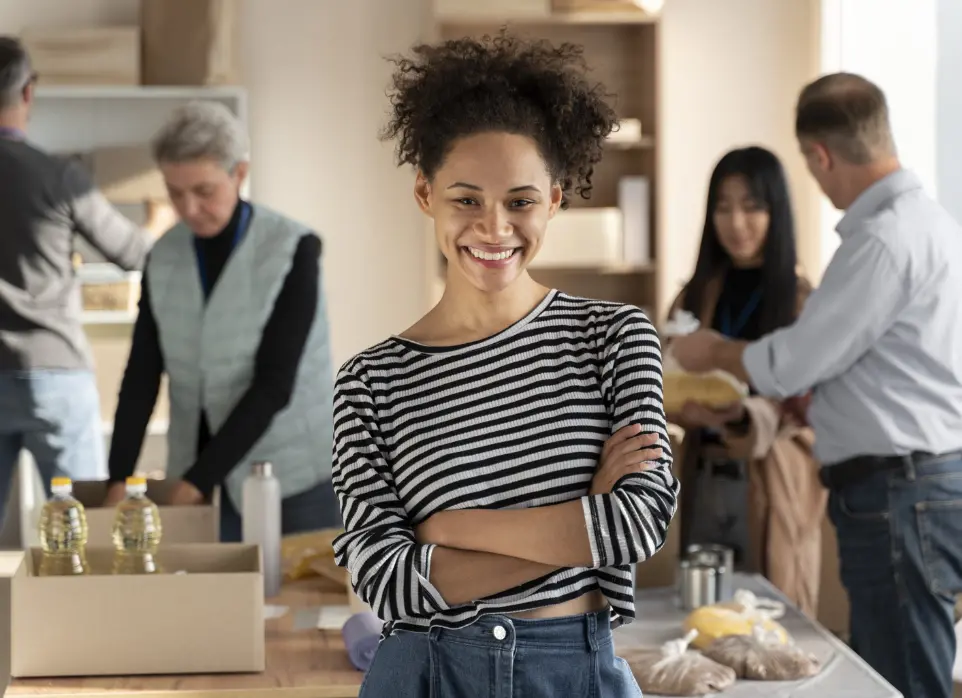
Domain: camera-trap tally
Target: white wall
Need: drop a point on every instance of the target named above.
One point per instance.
(317, 79)
(730, 74)
(894, 44)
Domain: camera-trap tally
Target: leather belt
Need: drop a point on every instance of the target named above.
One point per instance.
(853, 470)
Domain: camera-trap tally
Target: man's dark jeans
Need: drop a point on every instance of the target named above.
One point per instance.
(900, 550)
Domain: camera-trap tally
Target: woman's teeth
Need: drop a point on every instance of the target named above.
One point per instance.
(491, 256)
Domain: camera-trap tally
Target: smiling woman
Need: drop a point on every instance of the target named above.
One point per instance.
(501, 464)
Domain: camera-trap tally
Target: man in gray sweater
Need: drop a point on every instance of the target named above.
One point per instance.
(49, 403)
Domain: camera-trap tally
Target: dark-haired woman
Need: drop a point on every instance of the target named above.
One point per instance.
(502, 463)
(750, 480)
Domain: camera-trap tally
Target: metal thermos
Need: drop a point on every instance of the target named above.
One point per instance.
(261, 519)
(698, 585)
(722, 558)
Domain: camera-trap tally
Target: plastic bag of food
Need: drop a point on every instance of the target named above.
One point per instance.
(674, 670)
(757, 658)
(310, 555)
(738, 617)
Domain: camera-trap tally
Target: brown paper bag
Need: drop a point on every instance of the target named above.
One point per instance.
(189, 42)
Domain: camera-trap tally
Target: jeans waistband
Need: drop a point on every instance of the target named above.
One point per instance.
(588, 632)
(912, 465)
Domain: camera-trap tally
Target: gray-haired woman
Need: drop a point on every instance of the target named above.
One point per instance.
(232, 310)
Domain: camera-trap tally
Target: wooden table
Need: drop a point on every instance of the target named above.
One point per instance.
(300, 664)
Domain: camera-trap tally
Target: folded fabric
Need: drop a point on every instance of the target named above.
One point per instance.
(362, 633)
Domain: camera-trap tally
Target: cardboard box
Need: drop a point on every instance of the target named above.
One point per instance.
(209, 620)
(127, 174)
(84, 55)
(185, 524)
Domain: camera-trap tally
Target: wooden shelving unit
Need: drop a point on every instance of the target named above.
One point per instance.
(621, 47)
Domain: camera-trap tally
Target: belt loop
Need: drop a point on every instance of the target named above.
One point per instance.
(910, 471)
(591, 628)
(434, 634)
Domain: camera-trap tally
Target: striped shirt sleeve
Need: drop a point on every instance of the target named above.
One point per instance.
(630, 523)
(389, 570)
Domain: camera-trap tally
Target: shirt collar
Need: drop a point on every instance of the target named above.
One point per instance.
(873, 198)
(12, 133)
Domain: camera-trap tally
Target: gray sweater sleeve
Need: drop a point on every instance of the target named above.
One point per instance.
(114, 235)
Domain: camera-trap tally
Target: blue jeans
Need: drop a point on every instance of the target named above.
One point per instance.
(502, 657)
(55, 415)
(900, 551)
(312, 510)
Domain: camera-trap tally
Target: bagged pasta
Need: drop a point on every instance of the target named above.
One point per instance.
(674, 670)
(741, 616)
(757, 658)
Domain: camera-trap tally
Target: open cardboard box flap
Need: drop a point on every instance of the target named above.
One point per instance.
(182, 524)
(208, 620)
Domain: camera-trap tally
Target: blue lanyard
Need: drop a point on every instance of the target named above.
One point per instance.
(732, 331)
(242, 222)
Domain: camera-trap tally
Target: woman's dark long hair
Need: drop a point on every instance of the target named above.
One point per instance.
(766, 180)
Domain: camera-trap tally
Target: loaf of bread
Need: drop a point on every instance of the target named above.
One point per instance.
(713, 389)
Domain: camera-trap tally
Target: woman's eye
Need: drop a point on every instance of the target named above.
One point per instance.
(521, 203)
(466, 201)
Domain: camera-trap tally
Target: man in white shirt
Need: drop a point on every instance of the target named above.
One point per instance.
(879, 345)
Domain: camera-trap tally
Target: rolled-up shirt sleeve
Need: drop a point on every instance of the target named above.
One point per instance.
(389, 569)
(630, 523)
(862, 291)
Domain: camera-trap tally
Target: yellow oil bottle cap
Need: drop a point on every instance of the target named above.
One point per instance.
(136, 480)
(60, 481)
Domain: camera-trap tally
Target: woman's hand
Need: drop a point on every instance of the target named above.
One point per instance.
(626, 451)
(185, 494)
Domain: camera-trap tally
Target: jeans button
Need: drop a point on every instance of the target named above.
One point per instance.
(499, 632)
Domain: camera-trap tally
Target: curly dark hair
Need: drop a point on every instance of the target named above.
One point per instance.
(457, 88)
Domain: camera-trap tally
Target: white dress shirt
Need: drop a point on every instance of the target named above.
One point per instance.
(880, 341)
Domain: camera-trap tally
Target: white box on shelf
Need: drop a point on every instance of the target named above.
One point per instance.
(583, 237)
(634, 200)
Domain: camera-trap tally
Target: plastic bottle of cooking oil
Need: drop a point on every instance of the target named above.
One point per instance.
(136, 531)
(63, 532)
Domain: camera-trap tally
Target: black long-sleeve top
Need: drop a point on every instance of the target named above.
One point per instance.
(278, 355)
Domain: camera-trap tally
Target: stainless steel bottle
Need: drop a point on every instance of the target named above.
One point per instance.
(262, 522)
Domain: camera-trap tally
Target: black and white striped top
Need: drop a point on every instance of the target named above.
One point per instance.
(514, 420)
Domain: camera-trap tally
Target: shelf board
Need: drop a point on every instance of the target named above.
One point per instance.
(137, 92)
(108, 317)
(555, 19)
